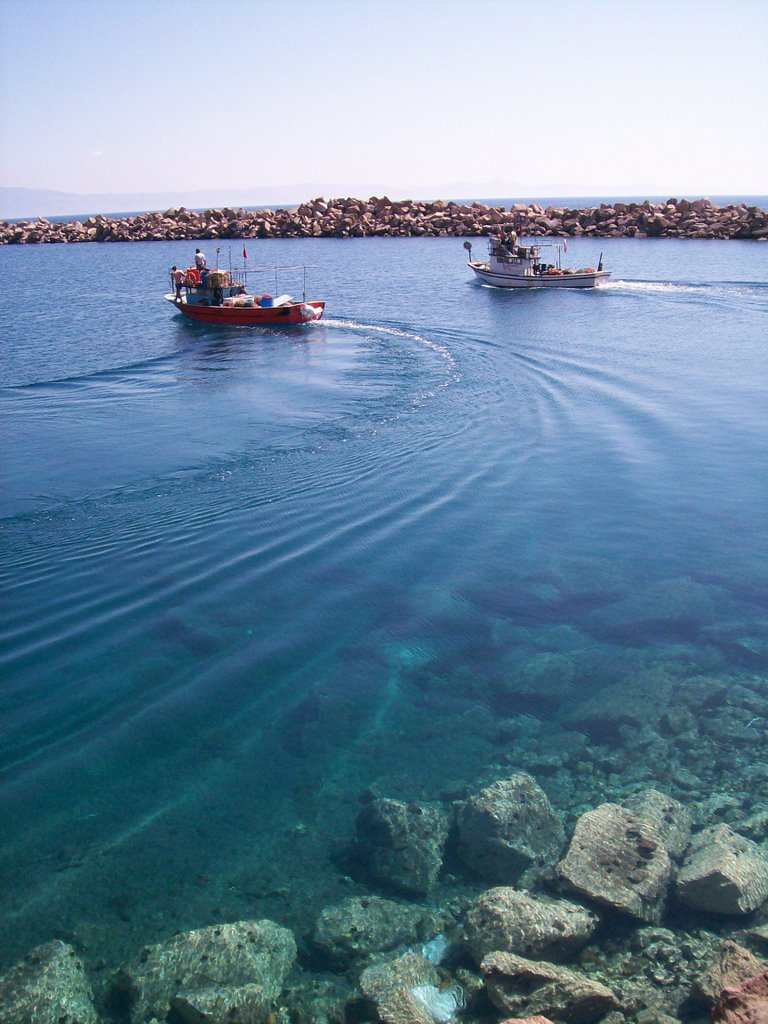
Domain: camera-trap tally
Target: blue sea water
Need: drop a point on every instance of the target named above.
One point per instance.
(248, 575)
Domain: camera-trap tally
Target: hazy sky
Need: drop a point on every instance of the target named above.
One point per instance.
(551, 96)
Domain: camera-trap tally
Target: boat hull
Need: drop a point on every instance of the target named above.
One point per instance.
(250, 316)
(497, 280)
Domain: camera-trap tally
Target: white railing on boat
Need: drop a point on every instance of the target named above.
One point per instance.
(239, 275)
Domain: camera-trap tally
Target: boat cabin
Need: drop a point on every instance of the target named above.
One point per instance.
(506, 256)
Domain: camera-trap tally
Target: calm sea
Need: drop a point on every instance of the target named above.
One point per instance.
(248, 575)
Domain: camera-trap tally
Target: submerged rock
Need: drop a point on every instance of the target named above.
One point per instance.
(518, 986)
(723, 873)
(244, 1004)
(671, 819)
(732, 965)
(636, 703)
(408, 990)
(49, 986)
(358, 926)
(527, 1020)
(618, 860)
(650, 969)
(401, 844)
(380, 980)
(537, 683)
(508, 833)
(511, 921)
(672, 609)
(746, 1003)
(194, 965)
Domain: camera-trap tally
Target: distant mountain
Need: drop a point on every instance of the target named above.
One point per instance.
(32, 202)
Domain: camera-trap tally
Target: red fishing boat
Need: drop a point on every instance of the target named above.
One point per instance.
(224, 297)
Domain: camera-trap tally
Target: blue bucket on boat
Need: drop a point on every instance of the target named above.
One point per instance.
(267, 300)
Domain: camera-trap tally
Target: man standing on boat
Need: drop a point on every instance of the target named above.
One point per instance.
(178, 279)
(199, 261)
(509, 240)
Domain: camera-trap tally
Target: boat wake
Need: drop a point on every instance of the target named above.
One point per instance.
(397, 332)
(688, 287)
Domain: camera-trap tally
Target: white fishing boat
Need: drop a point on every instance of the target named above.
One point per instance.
(510, 265)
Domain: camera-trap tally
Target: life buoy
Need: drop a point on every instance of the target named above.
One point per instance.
(192, 278)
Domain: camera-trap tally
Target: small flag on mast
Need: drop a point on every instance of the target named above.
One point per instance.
(245, 254)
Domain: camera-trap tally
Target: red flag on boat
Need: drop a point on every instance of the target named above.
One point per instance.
(245, 254)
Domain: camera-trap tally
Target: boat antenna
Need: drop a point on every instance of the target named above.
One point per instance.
(229, 250)
(600, 262)
(218, 250)
(304, 293)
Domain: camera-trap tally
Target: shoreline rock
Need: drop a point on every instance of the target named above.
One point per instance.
(508, 833)
(401, 844)
(618, 861)
(208, 970)
(508, 920)
(49, 986)
(518, 986)
(723, 873)
(381, 217)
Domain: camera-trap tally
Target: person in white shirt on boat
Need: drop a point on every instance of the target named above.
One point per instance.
(199, 261)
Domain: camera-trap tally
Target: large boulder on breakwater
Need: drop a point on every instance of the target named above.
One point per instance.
(400, 845)
(723, 873)
(508, 832)
(49, 986)
(360, 218)
(526, 987)
(192, 968)
(512, 921)
(618, 860)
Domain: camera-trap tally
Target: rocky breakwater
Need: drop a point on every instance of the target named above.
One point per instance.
(360, 218)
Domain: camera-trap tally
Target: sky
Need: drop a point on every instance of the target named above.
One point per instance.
(545, 97)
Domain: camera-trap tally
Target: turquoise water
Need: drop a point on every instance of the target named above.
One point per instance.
(248, 575)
